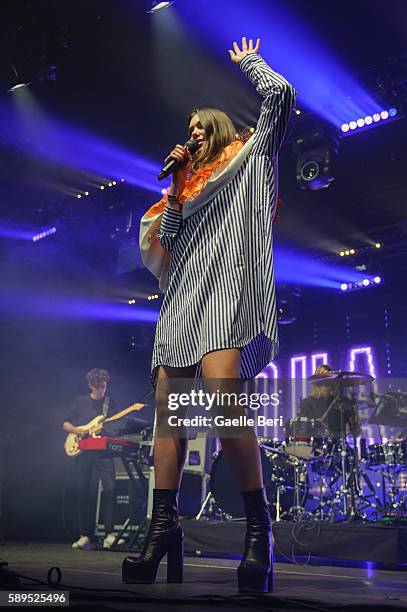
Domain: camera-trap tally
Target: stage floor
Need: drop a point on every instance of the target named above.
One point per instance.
(207, 582)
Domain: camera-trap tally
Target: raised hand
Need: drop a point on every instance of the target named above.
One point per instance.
(238, 54)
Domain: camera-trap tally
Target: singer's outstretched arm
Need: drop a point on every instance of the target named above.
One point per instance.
(279, 97)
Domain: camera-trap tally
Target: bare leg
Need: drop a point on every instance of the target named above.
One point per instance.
(164, 534)
(170, 444)
(255, 572)
(242, 453)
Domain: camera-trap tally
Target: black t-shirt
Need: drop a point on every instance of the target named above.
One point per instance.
(83, 409)
(314, 408)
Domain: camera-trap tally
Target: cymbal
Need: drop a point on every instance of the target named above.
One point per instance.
(341, 377)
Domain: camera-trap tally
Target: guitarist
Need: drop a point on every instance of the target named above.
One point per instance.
(84, 409)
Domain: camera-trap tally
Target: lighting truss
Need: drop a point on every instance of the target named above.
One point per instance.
(371, 281)
(359, 124)
(44, 234)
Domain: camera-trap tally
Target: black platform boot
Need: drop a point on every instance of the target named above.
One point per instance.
(255, 572)
(164, 537)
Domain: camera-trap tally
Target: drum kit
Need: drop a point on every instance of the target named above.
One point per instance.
(314, 476)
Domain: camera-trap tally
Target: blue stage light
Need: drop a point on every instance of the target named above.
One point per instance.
(44, 234)
(369, 121)
(357, 285)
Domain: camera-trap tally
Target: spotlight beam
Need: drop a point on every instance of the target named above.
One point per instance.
(293, 48)
(41, 136)
(294, 267)
(70, 307)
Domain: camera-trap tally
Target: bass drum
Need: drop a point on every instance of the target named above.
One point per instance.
(278, 471)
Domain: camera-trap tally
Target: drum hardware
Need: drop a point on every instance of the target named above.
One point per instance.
(390, 409)
(208, 500)
(342, 377)
(342, 489)
(210, 509)
(331, 502)
(389, 458)
(393, 488)
(391, 455)
(279, 479)
(297, 511)
(278, 507)
(395, 502)
(377, 501)
(350, 489)
(337, 463)
(288, 489)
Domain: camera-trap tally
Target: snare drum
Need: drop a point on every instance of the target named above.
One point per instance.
(388, 454)
(303, 435)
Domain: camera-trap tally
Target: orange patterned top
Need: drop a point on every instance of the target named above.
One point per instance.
(196, 183)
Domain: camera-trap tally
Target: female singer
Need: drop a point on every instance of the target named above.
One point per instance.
(213, 255)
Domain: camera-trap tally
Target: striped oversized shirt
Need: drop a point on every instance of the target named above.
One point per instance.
(221, 291)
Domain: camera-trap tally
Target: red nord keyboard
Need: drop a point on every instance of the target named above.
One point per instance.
(112, 446)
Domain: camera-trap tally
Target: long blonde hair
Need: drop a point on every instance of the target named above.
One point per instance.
(321, 390)
(220, 132)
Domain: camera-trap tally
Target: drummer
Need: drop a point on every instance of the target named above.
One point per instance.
(316, 405)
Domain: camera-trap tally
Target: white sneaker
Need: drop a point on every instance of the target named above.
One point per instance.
(83, 543)
(110, 538)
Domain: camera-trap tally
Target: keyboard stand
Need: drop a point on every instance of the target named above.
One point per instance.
(132, 463)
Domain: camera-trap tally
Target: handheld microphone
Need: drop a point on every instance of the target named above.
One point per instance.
(192, 145)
